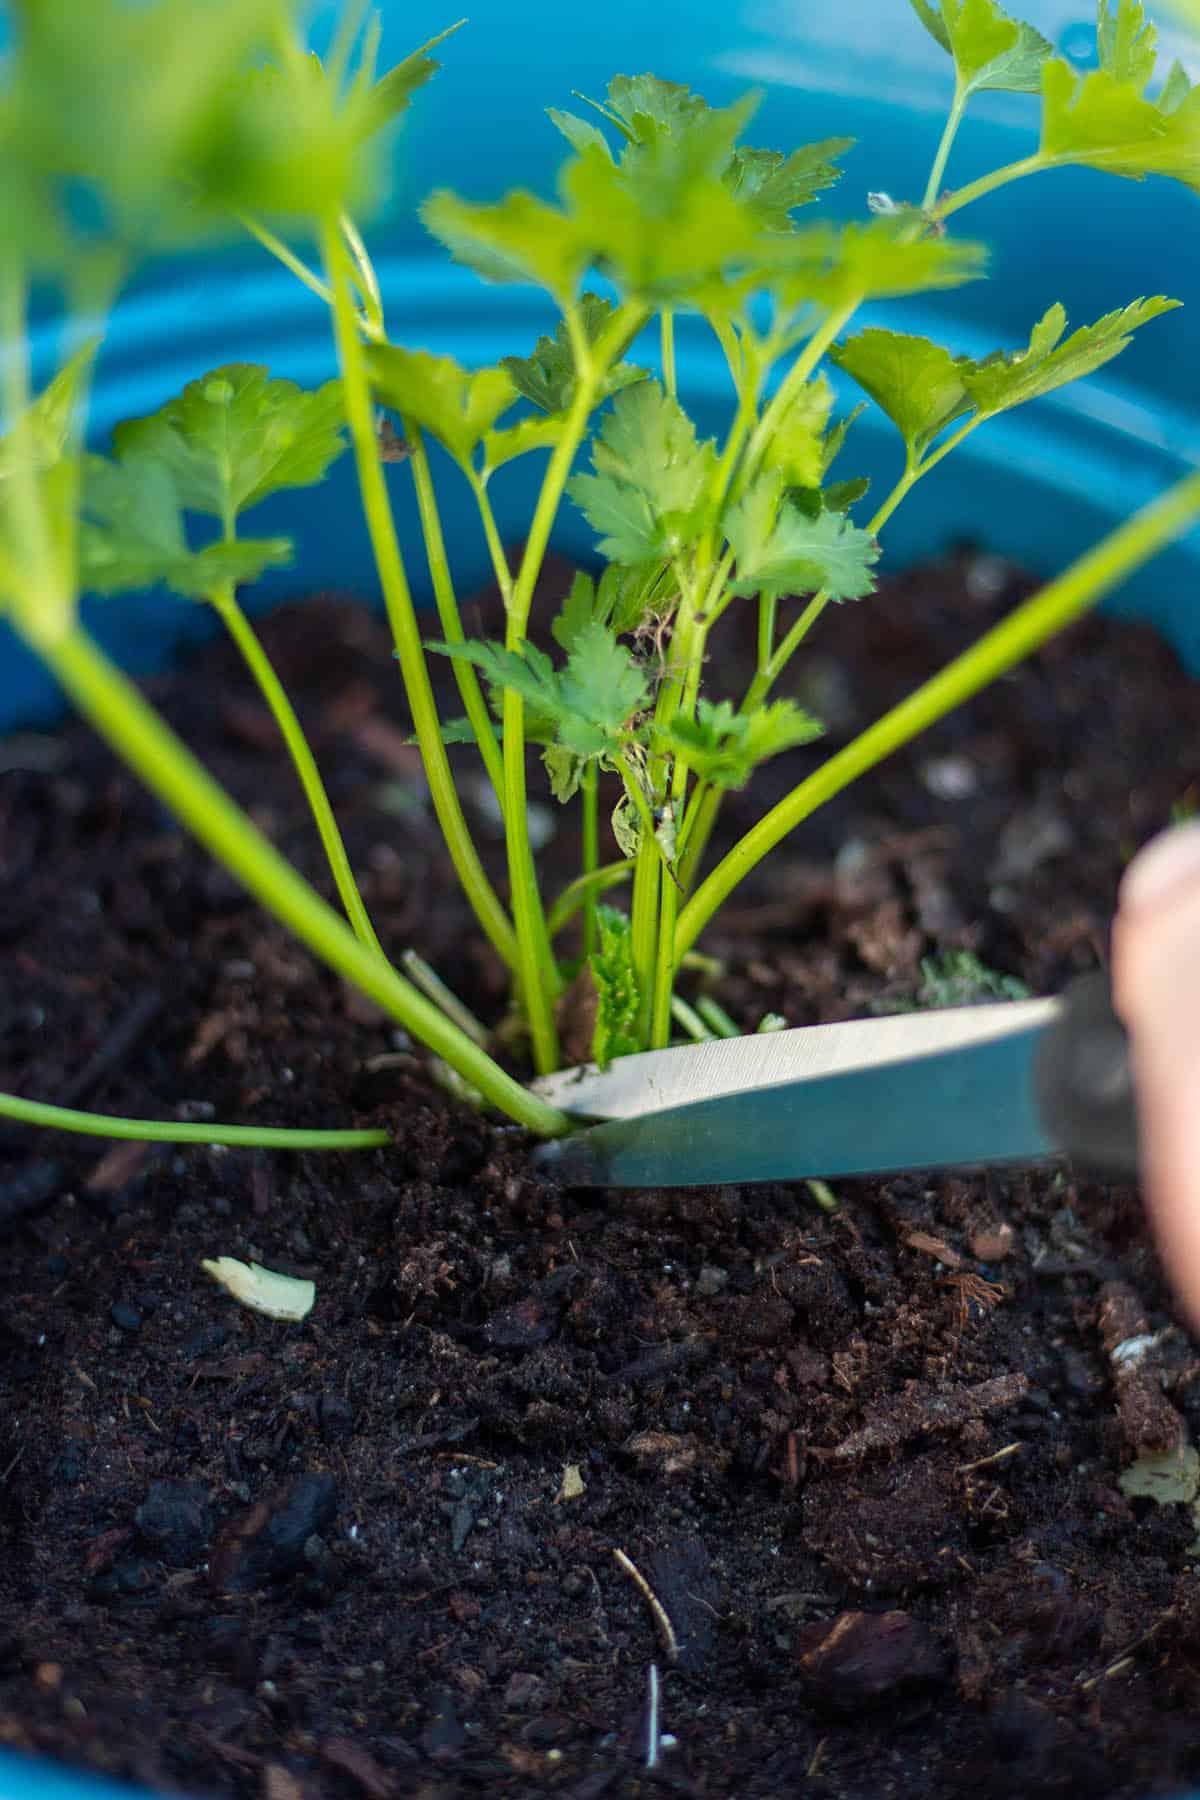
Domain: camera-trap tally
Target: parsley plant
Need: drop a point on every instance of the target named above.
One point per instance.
(113, 146)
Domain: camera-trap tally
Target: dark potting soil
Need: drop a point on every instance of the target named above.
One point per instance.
(865, 1460)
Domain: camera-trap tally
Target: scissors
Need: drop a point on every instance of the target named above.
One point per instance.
(1006, 1082)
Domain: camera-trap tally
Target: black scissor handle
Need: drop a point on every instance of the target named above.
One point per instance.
(1083, 1079)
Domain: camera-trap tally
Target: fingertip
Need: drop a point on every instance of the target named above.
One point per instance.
(1169, 861)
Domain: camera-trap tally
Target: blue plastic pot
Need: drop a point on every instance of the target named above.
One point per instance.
(1037, 487)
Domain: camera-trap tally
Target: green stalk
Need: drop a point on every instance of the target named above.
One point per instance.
(1060, 601)
(500, 568)
(116, 709)
(272, 690)
(653, 913)
(424, 976)
(166, 1131)
(401, 613)
(367, 281)
(537, 970)
(664, 965)
(667, 322)
(795, 378)
(280, 251)
(449, 616)
(574, 895)
(933, 185)
(590, 858)
(987, 184)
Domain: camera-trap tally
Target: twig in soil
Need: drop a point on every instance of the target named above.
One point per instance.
(658, 1611)
(985, 1462)
(652, 1719)
(1125, 1659)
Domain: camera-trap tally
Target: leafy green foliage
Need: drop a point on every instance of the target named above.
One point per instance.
(923, 388)
(918, 384)
(131, 535)
(797, 448)
(1127, 45)
(587, 704)
(651, 493)
(781, 549)
(775, 186)
(1003, 381)
(76, 120)
(621, 600)
(41, 436)
(38, 455)
(392, 93)
(662, 221)
(236, 436)
(505, 443)
(724, 746)
(990, 49)
(1104, 119)
(457, 406)
(615, 980)
(644, 108)
(959, 978)
(877, 260)
(520, 238)
(547, 377)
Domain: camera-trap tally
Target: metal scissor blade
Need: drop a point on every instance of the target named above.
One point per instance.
(971, 1101)
(656, 1080)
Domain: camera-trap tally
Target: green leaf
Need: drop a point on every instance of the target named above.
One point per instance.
(918, 384)
(990, 49)
(131, 535)
(775, 185)
(103, 105)
(876, 260)
(236, 436)
(835, 437)
(575, 613)
(1175, 89)
(840, 496)
(616, 984)
(565, 770)
(508, 442)
(780, 550)
(1103, 122)
(518, 239)
(41, 436)
(650, 495)
(392, 93)
(626, 827)
(602, 687)
(547, 377)
(797, 448)
(1126, 42)
(621, 600)
(644, 110)
(1006, 380)
(724, 746)
(457, 406)
(581, 134)
(587, 704)
(662, 220)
